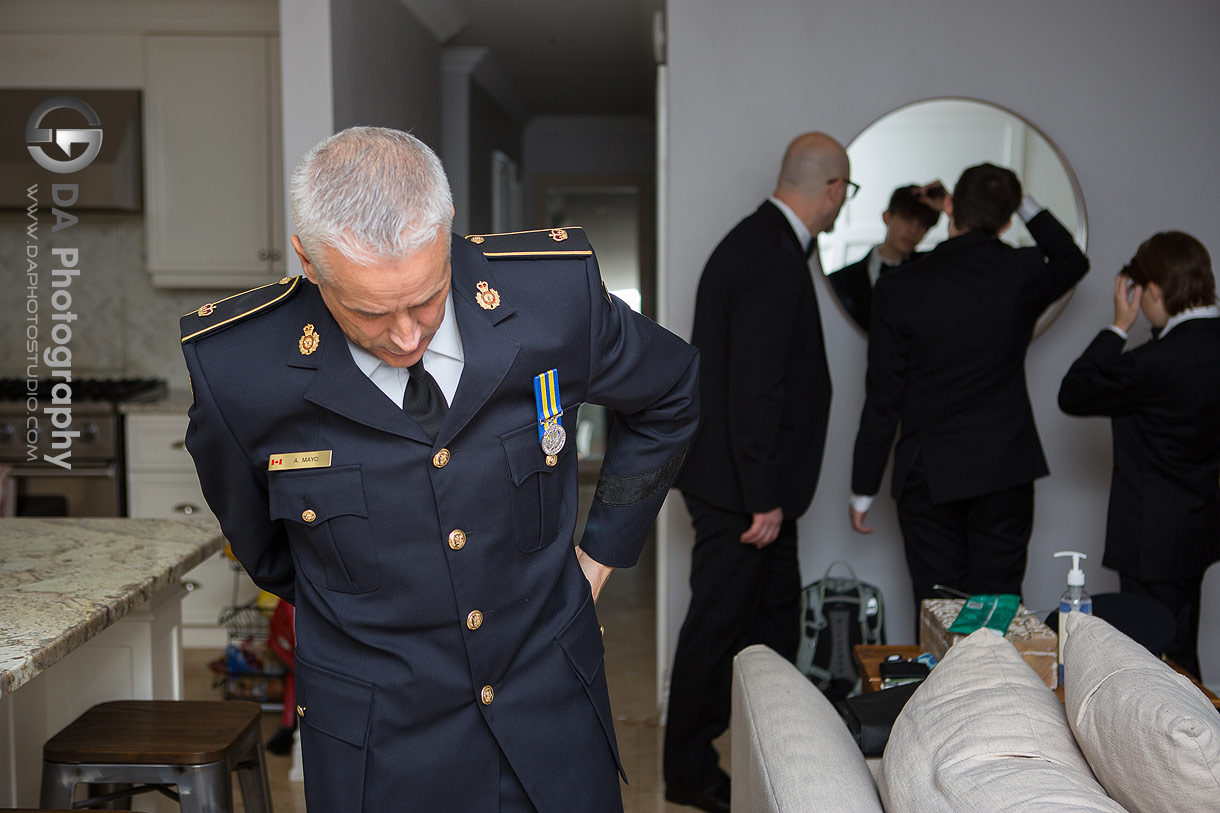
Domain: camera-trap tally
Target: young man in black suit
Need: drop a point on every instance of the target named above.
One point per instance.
(1163, 399)
(946, 360)
(754, 462)
(907, 219)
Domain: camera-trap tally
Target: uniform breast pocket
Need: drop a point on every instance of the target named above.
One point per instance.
(327, 509)
(538, 502)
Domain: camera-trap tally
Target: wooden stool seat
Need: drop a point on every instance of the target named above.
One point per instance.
(194, 746)
(154, 732)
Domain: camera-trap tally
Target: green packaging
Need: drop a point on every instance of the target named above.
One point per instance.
(995, 612)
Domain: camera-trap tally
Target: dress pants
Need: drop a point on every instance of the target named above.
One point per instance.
(1182, 598)
(740, 595)
(976, 545)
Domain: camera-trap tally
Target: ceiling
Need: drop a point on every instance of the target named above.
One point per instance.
(566, 57)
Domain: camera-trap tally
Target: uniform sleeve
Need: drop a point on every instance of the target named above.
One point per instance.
(761, 322)
(648, 378)
(1104, 380)
(236, 490)
(1065, 262)
(884, 397)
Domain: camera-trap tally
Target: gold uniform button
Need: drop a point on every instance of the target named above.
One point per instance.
(441, 458)
(308, 515)
(487, 695)
(300, 711)
(551, 460)
(474, 620)
(457, 539)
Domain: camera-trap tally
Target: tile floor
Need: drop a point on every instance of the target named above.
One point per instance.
(627, 609)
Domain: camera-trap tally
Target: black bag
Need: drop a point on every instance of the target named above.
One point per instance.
(837, 614)
(870, 717)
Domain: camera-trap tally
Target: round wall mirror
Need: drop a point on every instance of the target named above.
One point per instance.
(935, 140)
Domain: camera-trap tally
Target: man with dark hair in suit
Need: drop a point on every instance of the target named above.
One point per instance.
(1163, 399)
(946, 361)
(754, 462)
(907, 219)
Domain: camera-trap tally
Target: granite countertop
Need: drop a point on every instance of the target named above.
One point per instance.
(175, 402)
(63, 581)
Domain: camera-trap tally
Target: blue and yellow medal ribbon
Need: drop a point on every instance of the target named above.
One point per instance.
(546, 396)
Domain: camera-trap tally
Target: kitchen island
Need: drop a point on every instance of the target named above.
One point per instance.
(90, 611)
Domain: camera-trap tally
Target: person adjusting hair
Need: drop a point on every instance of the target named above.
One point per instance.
(386, 444)
(1163, 401)
(754, 463)
(946, 373)
(907, 219)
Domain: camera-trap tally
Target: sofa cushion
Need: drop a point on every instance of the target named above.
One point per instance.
(984, 732)
(1152, 738)
(791, 751)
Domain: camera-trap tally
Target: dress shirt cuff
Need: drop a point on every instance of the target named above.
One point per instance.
(1029, 208)
(861, 503)
(1122, 333)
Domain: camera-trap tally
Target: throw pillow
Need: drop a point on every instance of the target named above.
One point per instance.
(1152, 738)
(984, 732)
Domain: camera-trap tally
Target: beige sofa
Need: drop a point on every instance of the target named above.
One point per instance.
(984, 733)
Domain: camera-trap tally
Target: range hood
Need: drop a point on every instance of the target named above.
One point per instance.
(112, 181)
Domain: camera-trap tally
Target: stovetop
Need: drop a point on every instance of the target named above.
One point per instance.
(112, 390)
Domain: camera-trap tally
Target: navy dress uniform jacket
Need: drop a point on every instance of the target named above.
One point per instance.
(1163, 399)
(442, 617)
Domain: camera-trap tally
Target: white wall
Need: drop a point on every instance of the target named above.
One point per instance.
(1128, 92)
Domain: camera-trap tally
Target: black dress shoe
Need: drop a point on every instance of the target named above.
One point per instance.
(713, 800)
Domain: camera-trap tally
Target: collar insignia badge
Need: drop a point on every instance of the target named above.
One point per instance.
(559, 235)
(488, 297)
(309, 342)
(206, 310)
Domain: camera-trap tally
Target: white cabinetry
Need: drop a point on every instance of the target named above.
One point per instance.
(161, 484)
(214, 177)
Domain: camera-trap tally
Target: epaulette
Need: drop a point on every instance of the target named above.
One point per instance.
(539, 244)
(212, 316)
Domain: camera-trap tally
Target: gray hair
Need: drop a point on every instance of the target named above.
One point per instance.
(370, 193)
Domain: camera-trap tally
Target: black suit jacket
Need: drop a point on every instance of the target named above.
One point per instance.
(1164, 402)
(764, 382)
(855, 292)
(946, 358)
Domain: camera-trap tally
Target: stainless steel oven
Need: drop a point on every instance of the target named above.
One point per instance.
(92, 483)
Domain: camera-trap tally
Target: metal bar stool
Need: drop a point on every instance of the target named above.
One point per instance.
(151, 745)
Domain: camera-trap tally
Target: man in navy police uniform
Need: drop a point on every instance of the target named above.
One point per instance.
(370, 439)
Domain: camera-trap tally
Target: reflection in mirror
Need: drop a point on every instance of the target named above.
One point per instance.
(929, 141)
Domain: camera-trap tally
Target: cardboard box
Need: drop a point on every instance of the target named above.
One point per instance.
(1037, 643)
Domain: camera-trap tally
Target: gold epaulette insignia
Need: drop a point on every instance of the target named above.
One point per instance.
(223, 312)
(536, 244)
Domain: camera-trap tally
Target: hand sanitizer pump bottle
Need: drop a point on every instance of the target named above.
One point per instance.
(1073, 600)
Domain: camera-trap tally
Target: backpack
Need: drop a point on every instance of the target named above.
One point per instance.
(837, 614)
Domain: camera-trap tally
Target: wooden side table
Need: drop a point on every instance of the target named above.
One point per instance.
(869, 658)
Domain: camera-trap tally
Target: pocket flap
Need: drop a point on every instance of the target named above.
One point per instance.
(327, 492)
(582, 640)
(525, 455)
(334, 704)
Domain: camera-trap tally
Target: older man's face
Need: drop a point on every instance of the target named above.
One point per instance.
(392, 308)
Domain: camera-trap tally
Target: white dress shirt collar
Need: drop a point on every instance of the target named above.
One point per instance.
(1202, 312)
(803, 235)
(444, 359)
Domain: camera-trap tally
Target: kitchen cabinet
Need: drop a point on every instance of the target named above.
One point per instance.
(161, 484)
(213, 168)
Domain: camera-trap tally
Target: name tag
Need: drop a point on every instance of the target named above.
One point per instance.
(299, 460)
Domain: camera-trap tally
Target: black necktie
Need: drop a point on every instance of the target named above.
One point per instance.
(809, 249)
(423, 399)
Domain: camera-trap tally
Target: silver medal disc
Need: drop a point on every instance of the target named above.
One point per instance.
(553, 439)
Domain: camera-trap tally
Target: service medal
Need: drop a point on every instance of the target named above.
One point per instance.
(551, 434)
(553, 438)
